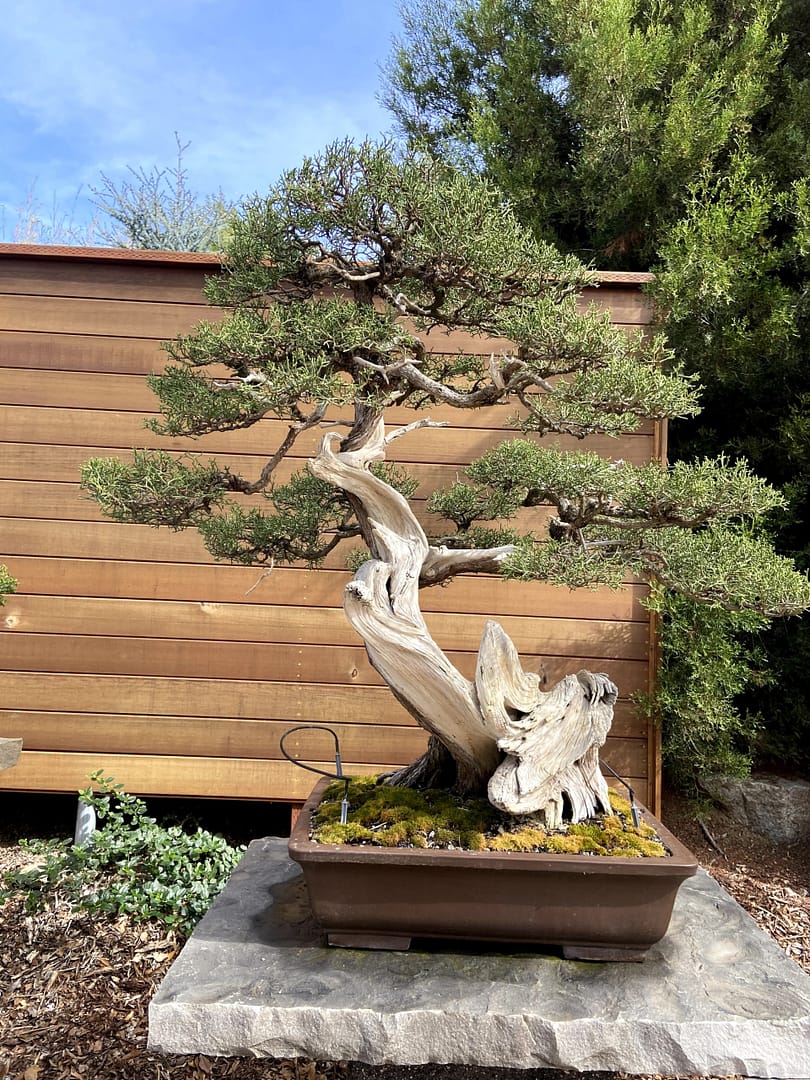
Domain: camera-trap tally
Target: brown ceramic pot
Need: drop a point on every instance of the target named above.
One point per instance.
(593, 907)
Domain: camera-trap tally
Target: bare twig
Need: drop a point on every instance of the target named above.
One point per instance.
(712, 842)
(261, 577)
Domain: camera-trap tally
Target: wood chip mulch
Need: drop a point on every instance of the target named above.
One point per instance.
(74, 989)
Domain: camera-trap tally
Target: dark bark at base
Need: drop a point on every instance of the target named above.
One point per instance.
(436, 768)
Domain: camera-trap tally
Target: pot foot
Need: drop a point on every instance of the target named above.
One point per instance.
(391, 942)
(614, 953)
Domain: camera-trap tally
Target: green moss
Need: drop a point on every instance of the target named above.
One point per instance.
(331, 832)
(402, 817)
(524, 839)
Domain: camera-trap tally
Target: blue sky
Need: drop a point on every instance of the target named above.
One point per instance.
(253, 85)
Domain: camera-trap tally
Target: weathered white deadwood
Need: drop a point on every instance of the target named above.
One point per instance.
(382, 604)
(526, 747)
(550, 739)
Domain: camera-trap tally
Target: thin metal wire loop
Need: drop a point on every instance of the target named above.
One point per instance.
(301, 765)
(633, 808)
(337, 775)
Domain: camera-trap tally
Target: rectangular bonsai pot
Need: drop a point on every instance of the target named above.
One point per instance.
(594, 907)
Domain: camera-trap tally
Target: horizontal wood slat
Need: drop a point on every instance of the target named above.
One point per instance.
(271, 662)
(159, 320)
(98, 352)
(161, 284)
(143, 774)
(183, 285)
(131, 393)
(234, 734)
(296, 703)
(234, 778)
(62, 464)
(80, 352)
(118, 318)
(221, 583)
(210, 737)
(86, 427)
(68, 502)
(300, 625)
(112, 540)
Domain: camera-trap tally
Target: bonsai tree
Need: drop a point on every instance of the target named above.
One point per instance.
(331, 283)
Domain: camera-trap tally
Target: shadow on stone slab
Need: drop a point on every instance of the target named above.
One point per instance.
(287, 922)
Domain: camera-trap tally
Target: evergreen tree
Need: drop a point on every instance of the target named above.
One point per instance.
(672, 137)
(593, 115)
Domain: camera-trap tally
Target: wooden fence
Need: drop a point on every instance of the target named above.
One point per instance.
(128, 649)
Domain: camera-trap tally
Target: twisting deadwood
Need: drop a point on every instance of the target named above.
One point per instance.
(528, 747)
(382, 604)
(550, 739)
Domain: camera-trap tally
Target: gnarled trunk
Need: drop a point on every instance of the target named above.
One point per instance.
(504, 735)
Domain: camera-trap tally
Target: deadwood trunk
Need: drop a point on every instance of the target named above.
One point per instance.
(528, 749)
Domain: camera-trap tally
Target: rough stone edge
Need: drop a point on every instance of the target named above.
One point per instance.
(767, 1049)
(492, 1041)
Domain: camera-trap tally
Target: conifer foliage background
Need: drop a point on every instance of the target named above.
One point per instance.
(672, 137)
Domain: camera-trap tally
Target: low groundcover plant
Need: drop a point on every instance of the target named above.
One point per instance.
(131, 865)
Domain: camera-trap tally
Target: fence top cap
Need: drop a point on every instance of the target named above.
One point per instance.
(100, 254)
(617, 278)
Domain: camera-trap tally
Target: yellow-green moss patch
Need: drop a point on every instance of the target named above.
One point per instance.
(402, 817)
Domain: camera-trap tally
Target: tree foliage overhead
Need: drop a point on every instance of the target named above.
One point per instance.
(593, 115)
(333, 283)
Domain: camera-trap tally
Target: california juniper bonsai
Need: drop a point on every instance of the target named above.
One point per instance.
(327, 281)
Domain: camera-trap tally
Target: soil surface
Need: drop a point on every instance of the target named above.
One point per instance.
(76, 988)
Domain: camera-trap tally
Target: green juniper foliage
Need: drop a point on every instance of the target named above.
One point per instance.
(704, 668)
(329, 282)
(131, 865)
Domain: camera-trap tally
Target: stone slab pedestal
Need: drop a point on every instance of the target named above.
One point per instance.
(716, 996)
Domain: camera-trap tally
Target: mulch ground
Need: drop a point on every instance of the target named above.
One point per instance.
(74, 989)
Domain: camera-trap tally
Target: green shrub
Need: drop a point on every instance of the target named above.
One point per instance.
(131, 865)
(707, 661)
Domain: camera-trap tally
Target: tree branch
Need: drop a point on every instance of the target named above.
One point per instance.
(236, 483)
(415, 426)
(442, 563)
